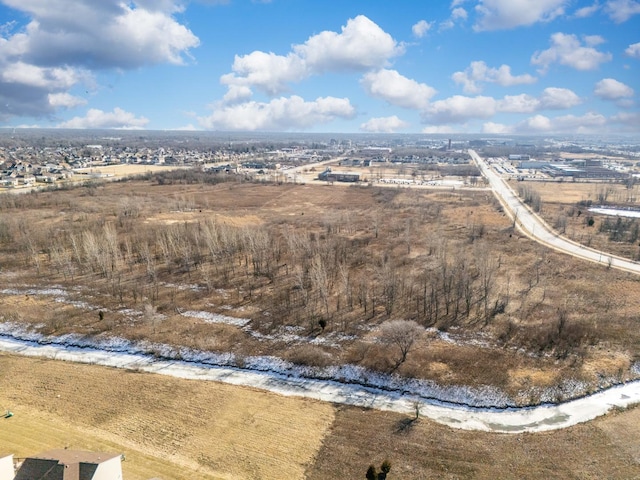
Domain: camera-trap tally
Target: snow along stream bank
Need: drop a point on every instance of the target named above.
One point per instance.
(462, 411)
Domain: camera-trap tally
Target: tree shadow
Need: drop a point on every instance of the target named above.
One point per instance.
(405, 425)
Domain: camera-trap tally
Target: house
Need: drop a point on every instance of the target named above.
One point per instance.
(6, 467)
(71, 465)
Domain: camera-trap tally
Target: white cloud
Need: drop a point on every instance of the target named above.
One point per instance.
(293, 113)
(622, 10)
(384, 125)
(65, 100)
(266, 71)
(553, 98)
(479, 72)
(611, 89)
(64, 41)
(588, 11)
(47, 78)
(496, 128)
(396, 89)
(361, 45)
(506, 14)
(568, 50)
(459, 109)
(421, 28)
(237, 94)
(518, 104)
(629, 120)
(439, 129)
(104, 34)
(459, 14)
(95, 118)
(550, 99)
(588, 123)
(633, 50)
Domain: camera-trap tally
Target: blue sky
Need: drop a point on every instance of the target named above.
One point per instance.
(461, 66)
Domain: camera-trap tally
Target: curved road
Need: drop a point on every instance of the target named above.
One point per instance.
(534, 227)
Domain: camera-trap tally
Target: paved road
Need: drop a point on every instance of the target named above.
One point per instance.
(534, 227)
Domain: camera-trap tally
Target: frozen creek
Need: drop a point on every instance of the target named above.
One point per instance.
(505, 419)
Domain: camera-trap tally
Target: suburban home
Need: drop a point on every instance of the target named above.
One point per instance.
(69, 465)
(6, 467)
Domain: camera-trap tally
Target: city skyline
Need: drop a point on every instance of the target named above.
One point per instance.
(465, 66)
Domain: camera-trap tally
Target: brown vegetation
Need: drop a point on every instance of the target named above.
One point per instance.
(181, 429)
(316, 270)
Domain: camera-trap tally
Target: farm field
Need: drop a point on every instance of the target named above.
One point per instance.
(170, 428)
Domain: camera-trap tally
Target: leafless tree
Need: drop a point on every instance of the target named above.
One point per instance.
(401, 334)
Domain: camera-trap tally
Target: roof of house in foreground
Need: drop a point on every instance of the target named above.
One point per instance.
(63, 465)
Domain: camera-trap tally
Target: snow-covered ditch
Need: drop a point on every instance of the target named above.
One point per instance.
(457, 406)
(617, 212)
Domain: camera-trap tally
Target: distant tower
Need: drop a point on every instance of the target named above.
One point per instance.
(449, 145)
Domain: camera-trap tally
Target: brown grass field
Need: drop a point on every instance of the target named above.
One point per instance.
(170, 429)
(493, 307)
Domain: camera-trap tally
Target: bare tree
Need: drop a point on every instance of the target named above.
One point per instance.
(401, 334)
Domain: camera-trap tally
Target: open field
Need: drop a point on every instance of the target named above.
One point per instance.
(311, 273)
(167, 428)
(178, 429)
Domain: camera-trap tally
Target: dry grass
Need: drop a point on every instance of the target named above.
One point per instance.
(605, 448)
(415, 231)
(167, 428)
(178, 429)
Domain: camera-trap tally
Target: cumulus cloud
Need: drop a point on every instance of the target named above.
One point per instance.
(568, 50)
(622, 10)
(587, 11)
(65, 100)
(553, 98)
(360, 46)
(630, 121)
(478, 72)
(292, 113)
(117, 119)
(496, 128)
(506, 14)
(268, 72)
(439, 129)
(459, 14)
(589, 123)
(63, 41)
(421, 28)
(633, 50)
(384, 125)
(105, 34)
(396, 89)
(611, 89)
(459, 109)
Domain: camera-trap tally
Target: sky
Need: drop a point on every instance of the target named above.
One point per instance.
(403, 66)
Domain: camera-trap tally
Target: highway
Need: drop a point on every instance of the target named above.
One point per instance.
(534, 227)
